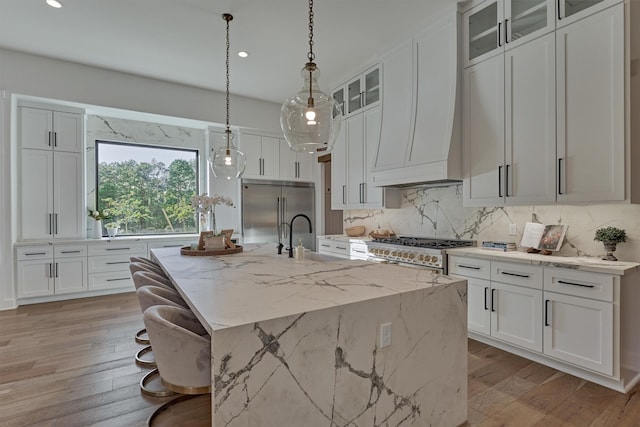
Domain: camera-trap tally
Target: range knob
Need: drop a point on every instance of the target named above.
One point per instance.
(412, 256)
(405, 254)
(434, 259)
(421, 258)
(386, 252)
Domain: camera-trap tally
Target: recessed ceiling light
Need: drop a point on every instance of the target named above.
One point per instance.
(54, 3)
(243, 54)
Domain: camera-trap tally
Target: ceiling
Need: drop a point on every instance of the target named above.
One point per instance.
(184, 40)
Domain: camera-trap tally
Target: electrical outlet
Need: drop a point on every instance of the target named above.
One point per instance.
(385, 335)
(513, 230)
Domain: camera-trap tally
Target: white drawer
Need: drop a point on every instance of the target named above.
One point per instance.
(110, 281)
(517, 274)
(112, 248)
(324, 246)
(98, 264)
(70, 251)
(34, 252)
(340, 248)
(579, 283)
(470, 267)
(358, 250)
(178, 243)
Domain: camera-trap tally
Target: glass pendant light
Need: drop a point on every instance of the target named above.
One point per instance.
(227, 161)
(310, 120)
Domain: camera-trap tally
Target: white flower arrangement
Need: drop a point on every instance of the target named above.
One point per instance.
(98, 215)
(206, 206)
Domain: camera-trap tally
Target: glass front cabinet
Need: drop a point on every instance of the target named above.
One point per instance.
(360, 92)
(494, 26)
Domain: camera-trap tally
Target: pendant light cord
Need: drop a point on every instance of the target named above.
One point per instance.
(228, 18)
(311, 56)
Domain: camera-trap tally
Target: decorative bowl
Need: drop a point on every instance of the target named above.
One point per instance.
(355, 231)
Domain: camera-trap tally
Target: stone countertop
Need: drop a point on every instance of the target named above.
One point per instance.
(595, 265)
(257, 284)
(345, 238)
(124, 239)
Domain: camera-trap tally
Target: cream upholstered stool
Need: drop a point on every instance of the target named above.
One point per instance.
(149, 296)
(183, 355)
(149, 277)
(135, 266)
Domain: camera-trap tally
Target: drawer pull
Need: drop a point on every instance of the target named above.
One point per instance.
(118, 249)
(117, 262)
(70, 252)
(471, 267)
(359, 251)
(575, 284)
(115, 280)
(506, 273)
(35, 253)
(325, 245)
(341, 247)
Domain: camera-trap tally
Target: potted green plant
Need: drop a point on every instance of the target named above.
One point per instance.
(610, 237)
(112, 229)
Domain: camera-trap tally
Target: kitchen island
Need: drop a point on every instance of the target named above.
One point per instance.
(299, 342)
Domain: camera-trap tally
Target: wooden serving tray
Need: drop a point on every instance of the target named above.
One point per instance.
(203, 252)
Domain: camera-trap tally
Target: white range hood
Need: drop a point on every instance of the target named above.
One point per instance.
(421, 138)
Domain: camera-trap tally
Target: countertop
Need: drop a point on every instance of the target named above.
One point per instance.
(595, 265)
(123, 239)
(257, 284)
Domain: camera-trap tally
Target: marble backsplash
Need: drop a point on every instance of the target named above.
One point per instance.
(438, 212)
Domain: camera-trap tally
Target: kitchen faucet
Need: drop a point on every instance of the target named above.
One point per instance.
(291, 231)
(280, 245)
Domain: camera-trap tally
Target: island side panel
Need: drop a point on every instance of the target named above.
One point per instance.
(325, 367)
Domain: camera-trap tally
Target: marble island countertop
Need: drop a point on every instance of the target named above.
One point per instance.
(257, 284)
(595, 265)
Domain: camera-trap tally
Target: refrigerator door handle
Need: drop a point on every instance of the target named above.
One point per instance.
(278, 219)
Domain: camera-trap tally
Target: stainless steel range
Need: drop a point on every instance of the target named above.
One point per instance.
(420, 251)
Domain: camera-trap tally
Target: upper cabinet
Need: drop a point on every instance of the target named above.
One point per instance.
(296, 165)
(498, 25)
(359, 93)
(51, 165)
(420, 137)
(569, 11)
(539, 119)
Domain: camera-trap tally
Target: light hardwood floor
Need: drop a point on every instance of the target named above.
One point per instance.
(71, 363)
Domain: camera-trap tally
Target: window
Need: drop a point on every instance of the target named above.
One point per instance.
(146, 189)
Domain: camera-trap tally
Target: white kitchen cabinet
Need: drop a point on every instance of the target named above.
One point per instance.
(339, 171)
(569, 11)
(46, 129)
(109, 264)
(509, 127)
(359, 93)
(591, 108)
(579, 331)
(342, 248)
(509, 306)
(581, 322)
(262, 154)
(47, 270)
(296, 165)
(498, 25)
(51, 170)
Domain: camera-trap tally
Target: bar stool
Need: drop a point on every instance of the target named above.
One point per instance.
(143, 277)
(145, 266)
(182, 354)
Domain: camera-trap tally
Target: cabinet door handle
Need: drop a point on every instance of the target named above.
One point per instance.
(55, 223)
(115, 280)
(51, 224)
(546, 313)
(493, 302)
(56, 270)
(559, 17)
(344, 201)
(361, 99)
(50, 270)
(486, 307)
(118, 249)
(506, 181)
(506, 31)
(499, 34)
(35, 253)
(575, 284)
(360, 251)
(506, 273)
(117, 262)
(49, 138)
(500, 181)
(559, 173)
(55, 139)
(471, 267)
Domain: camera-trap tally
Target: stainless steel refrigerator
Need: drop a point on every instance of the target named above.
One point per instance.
(268, 205)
